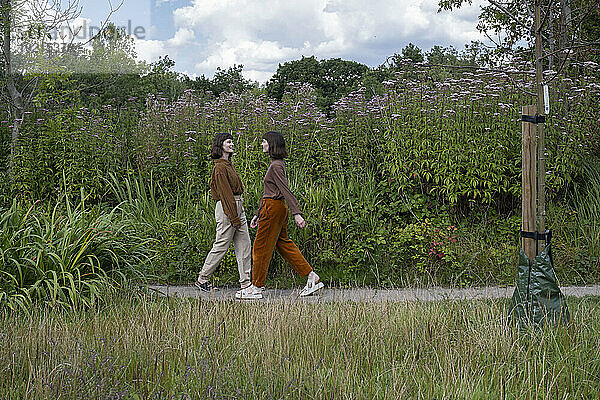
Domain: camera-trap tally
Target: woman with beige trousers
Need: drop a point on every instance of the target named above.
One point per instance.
(226, 189)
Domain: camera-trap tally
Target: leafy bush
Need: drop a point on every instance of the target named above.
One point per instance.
(72, 145)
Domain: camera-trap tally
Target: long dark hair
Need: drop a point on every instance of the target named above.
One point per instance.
(276, 142)
(216, 150)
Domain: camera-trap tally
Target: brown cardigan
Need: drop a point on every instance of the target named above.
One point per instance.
(224, 184)
(276, 187)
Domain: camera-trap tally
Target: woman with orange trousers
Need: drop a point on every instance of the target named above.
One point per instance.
(271, 219)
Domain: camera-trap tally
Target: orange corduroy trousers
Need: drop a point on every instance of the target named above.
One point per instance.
(272, 232)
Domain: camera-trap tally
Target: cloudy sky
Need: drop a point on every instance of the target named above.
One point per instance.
(201, 35)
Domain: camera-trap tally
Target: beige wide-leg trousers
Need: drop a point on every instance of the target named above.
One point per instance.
(226, 234)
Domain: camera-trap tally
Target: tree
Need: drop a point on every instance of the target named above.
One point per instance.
(442, 55)
(230, 80)
(405, 61)
(113, 52)
(570, 28)
(475, 54)
(331, 78)
(17, 26)
(305, 70)
(337, 78)
(412, 53)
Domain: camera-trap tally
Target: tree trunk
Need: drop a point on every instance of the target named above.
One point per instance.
(565, 8)
(566, 28)
(551, 38)
(528, 183)
(17, 108)
(541, 147)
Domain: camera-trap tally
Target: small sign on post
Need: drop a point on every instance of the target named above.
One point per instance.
(546, 101)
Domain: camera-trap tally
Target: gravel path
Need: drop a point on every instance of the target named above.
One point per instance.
(366, 294)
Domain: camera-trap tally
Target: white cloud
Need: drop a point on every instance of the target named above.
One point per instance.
(251, 54)
(149, 50)
(262, 34)
(182, 37)
(258, 76)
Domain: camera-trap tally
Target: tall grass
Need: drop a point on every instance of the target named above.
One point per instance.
(144, 348)
(587, 208)
(67, 256)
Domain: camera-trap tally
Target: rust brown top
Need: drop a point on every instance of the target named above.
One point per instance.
(224, 184)
(276, 187)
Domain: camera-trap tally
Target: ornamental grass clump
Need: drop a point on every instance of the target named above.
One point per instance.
(69, 257)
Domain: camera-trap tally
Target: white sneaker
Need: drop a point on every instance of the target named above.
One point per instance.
(312, 284)
(250, 293)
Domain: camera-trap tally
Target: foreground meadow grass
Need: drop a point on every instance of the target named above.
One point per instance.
(143, 347)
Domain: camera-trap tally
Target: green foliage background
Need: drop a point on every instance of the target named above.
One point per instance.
(418, 184)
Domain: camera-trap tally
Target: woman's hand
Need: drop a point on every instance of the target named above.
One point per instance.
(254, 222)
(300, 221)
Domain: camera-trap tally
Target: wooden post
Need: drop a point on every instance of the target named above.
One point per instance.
(529, 183)
(541, 157)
